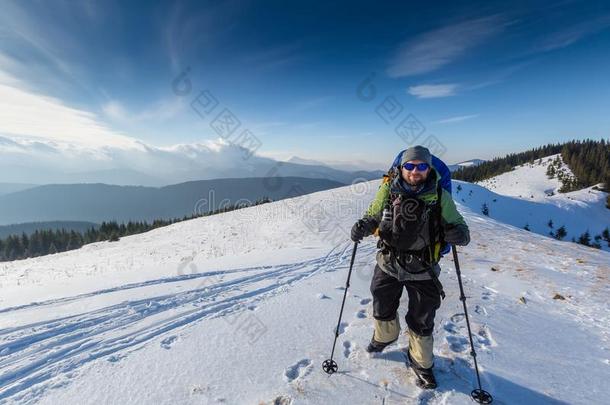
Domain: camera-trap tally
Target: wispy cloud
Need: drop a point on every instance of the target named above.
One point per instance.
(434, 49)
(276, 57)
(115, 111)
(481, 81)
(160, 111)
(26, 34)
(492, 78)
(459, 118)
(186, 34)
(433, 90)
(569, 35)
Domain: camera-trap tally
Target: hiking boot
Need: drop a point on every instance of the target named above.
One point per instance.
(425, 376)
(377, 347)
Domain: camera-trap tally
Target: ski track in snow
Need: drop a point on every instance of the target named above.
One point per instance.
(31, 355)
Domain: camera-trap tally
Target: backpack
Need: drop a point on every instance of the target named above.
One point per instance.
(392, 235)
(445, 181)
(412, 227)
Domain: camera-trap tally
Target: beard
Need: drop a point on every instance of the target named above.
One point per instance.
(415, 181)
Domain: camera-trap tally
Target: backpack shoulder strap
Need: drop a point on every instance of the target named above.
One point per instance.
(435, 246)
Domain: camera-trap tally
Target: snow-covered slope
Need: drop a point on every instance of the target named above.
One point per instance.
(526, 196)
(527, 181)
(577, 211)
(240, 308)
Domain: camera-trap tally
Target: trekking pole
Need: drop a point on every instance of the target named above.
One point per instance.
(479, 395)
(329, 365)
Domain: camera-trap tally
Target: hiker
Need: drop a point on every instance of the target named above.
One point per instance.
(413, 229)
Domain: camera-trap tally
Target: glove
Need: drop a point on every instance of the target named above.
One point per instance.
(363, 227)
(457, 235)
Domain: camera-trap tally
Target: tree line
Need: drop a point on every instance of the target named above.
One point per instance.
(589, 161)
(49, 241)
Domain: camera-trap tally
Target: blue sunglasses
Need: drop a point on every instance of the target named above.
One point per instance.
(422, 167)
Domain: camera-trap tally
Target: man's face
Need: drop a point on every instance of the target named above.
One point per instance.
(414, 177)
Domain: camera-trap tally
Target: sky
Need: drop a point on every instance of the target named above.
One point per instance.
(330, 81)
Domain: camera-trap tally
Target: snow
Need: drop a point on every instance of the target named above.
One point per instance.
(526, 181)
(240, 308)
(522, 197)
(467, 163)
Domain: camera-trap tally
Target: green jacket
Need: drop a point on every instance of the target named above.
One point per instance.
(450, 214)
(450, 218)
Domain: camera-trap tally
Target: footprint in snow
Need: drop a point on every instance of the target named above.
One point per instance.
(451, 327)
(486, 295)
(484, 337)
(365, 301)
(480, 310)
(348, 347)
(342, 327)
(457, 318)
(361, 314)
(168, 342)
(297, 370)
(281, 400)
(456, 343)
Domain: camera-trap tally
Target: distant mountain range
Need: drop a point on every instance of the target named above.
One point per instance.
(7, 188)
(144, 182)
(103, 202)
(352, 166)
(42, 162)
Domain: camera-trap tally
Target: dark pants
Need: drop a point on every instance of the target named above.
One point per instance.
(424, 300)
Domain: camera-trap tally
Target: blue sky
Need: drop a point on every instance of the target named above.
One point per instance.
(483, 78)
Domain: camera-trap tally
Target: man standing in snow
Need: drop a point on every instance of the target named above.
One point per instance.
(413, 217)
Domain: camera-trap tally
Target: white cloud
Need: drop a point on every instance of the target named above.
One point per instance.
(459, 118)
(434, 49)
(31, 115)
(433, 90)
(49, 141)
(45, 161)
